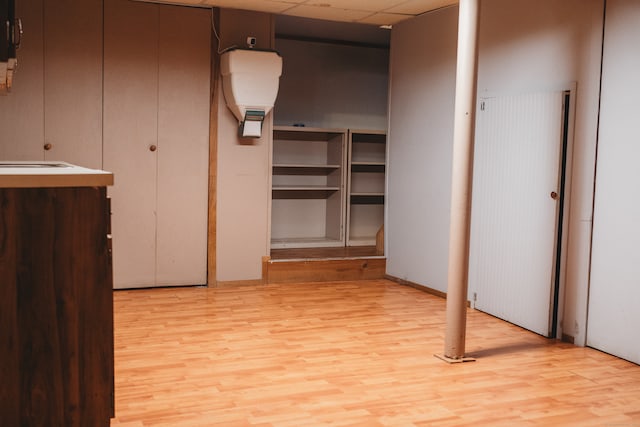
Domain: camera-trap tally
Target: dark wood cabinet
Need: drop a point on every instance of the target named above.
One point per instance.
(56, 307)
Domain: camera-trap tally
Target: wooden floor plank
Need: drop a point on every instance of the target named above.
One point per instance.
(345, 354)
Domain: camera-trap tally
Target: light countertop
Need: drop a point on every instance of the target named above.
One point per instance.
(38, 174)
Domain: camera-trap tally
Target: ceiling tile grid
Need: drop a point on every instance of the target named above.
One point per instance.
(375, 12)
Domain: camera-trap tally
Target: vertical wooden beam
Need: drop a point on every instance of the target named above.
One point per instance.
(213, 153)
(462, 175)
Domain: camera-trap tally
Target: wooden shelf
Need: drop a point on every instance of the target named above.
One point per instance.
(296, 133)
(370, 167)
(373, 137)
(367, 198)
(302, 192)
(306, 242)
(362, 241)
(316, 170)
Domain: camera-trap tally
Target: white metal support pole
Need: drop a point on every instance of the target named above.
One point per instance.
(462, 175)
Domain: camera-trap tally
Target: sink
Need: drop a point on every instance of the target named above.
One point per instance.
(43, 174)
(33, 165)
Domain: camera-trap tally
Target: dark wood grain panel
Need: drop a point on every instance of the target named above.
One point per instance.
(9, 336)
(56, 321)
(41, 368)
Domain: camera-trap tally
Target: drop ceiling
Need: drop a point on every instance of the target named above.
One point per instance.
(375, 12)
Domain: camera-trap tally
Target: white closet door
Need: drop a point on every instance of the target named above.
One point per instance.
(513, 225)
(130, 129)
(614, 294)
(183, 145)
(73, 81)
(22, 110)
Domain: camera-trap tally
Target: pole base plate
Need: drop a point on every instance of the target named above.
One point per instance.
(452, 360)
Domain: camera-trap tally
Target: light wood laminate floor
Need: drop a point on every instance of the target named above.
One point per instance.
(347, 354)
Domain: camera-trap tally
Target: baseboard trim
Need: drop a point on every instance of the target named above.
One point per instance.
(422, 288)
(231, 283)
(417, 286)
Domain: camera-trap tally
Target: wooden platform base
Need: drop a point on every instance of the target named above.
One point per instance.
(294, 266)
(323, 270)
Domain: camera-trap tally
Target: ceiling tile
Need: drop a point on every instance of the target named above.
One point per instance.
(368, 5)
(377, 12)
(174, 2)
(384, 19)
(416, 7)
(327, 13)
(257, 5)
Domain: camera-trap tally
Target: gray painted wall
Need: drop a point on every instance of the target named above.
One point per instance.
(615, 276)
(332, 86)
(525, 46)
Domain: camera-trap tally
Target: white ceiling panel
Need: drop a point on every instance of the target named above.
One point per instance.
(376, 12)
(256, 5)
(384, 19)
(368, 5)
(328, 13)
(417, 7)
(179, 2)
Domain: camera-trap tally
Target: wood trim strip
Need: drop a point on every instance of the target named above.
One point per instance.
(265, 269)
(213, 155)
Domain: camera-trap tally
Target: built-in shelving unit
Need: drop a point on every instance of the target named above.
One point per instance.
(327, 187)
(365, 186)
(308, 182)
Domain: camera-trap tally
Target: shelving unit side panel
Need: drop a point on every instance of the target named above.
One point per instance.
(334, 216)
(335, 149)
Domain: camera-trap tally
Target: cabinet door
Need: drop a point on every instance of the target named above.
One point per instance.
(130, 131)
(183, 145)
(73, 81)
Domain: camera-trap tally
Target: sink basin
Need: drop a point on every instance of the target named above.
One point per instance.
(33, 165)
